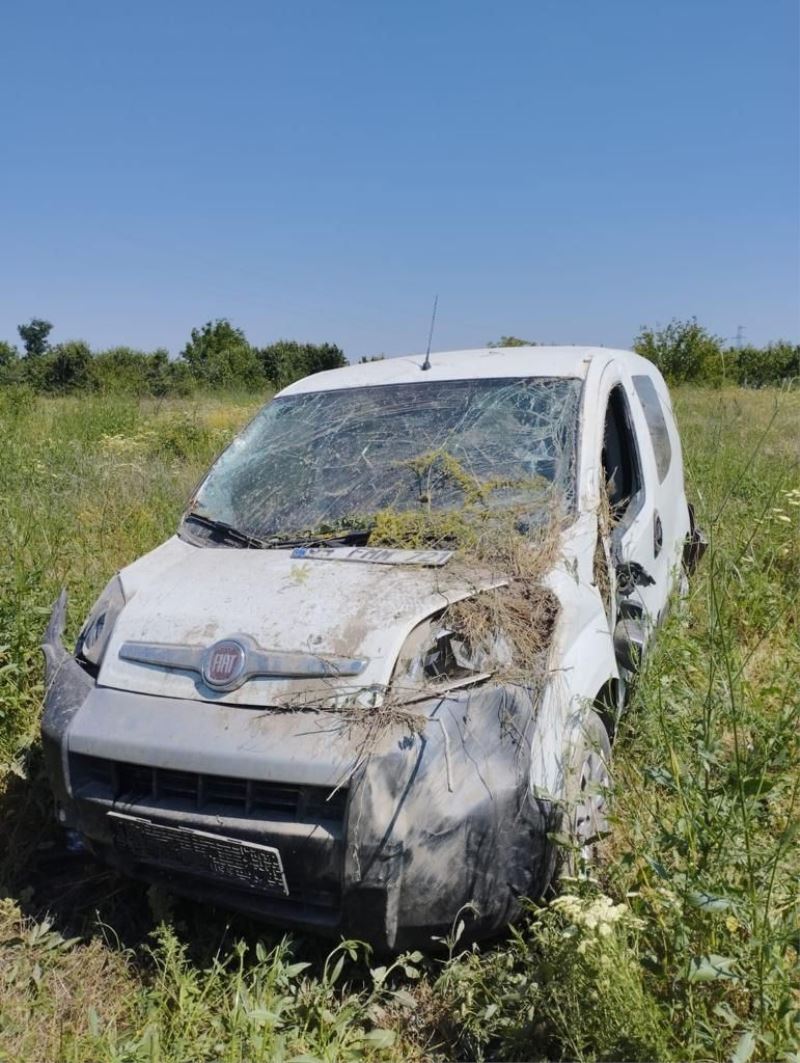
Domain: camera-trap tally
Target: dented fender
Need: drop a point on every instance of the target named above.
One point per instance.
(449, 821)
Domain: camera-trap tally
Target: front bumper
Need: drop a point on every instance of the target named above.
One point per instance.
(384, 832)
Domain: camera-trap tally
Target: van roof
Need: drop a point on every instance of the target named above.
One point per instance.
(483, 362)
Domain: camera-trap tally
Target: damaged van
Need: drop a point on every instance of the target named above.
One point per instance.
(371, 680)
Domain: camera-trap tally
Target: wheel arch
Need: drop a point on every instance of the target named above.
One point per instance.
(607, 704)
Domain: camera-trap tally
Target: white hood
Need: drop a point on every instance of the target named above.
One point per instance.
(193, 596)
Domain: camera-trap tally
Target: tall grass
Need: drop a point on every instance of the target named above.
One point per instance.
(685, 945)
(708, 784)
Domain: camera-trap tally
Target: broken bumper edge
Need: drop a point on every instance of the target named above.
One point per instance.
(67, 686)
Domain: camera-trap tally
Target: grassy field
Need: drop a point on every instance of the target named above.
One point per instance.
(685, 947)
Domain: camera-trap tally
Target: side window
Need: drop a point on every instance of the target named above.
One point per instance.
(654, 415)
(621, 466)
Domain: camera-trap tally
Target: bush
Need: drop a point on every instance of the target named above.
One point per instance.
(9, 356)
(287, 360)
(760, 366)
(186, 438)
(683, 351)
(128, 371)
(219, 355)
(512, 341)
(568, 984)
(65, 367)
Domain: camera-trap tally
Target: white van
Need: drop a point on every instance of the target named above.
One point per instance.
(272, 712)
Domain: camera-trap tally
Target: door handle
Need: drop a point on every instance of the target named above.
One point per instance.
(658, 534)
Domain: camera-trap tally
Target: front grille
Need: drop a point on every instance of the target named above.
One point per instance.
(116, 780)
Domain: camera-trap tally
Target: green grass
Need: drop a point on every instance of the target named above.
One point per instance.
(694, 955)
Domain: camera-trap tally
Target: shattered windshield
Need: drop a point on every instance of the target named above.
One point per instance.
(330, 460)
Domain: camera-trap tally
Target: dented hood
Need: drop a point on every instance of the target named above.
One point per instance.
(184, 595)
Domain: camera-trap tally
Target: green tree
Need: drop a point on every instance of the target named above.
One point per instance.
(34, 337)
(285, 361)
(9, 357)
(760, 366)
(281, 362)
(683, 351)
(321, 356)
(513, 341)
(124, 369)
(219, 355)
(65, 367)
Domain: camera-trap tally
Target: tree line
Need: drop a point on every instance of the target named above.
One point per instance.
(219, 356)
(688, 353)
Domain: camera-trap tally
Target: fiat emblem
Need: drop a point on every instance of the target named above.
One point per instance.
(224, 664)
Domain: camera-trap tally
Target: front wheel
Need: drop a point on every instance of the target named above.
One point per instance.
(584, 816)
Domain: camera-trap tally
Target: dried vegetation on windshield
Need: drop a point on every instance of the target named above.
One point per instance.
(503, 627)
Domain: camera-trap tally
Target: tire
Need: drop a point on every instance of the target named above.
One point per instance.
(583, 820)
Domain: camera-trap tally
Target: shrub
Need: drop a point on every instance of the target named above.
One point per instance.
(9, 356)
(65, 367)
(186, 438)
(218, 354)
(683, 351)
(127, 370)
(568, 984)
(512, 341)
(760, 366)
(287, 360)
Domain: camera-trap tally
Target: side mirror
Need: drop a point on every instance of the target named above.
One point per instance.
(696, 543)
(630, 575)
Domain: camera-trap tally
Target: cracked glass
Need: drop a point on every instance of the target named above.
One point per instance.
(320, 461)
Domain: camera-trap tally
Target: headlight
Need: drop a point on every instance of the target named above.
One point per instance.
(438, 657)
(96, 632)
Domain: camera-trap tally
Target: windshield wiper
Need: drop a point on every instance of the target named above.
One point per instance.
(233, 535)
(348, 537)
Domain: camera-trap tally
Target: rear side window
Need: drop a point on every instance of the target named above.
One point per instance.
(654, 415)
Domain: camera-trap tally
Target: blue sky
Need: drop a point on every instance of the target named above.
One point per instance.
(555, 169)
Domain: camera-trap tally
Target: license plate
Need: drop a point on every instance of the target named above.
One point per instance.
(247, 864)
(374, 555)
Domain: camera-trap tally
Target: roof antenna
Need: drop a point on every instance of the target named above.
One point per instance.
(427, 363)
